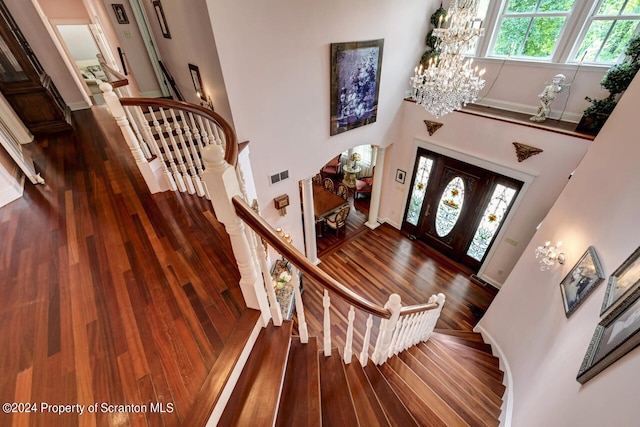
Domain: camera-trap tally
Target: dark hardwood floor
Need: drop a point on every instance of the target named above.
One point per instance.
(109, 295)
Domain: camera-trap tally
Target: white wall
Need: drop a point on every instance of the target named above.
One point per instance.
(275, 57)
(491, 143)
(191, 42)
(544, 349)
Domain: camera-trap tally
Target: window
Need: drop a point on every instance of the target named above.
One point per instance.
(608, 30)
(530, 28)
(592, 31)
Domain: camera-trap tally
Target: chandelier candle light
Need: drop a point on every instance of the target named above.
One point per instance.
(548, 255)
(450, 81)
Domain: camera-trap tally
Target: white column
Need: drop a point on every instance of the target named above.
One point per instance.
(309, 221)
(374, 206)
(221, 178)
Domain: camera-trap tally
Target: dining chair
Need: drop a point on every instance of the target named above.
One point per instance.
(339, 219)
(317, 179)
(342, 191)
(328, 184)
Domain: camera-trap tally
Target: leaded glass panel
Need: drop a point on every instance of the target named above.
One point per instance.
(449, 206)
(419, 188)
(491, 220)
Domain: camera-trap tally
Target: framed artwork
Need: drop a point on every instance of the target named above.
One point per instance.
(197, 80)
(400, 176)
(157, 6)
(355, 84)
(613, 338)
(121, 14)
(583, 278)
(623, 286)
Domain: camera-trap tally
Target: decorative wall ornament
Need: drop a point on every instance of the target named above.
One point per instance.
(355, 84)
(432, 127)
(524, 151)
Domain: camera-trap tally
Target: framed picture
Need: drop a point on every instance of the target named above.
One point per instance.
(121, 14)
(355, 84)
(400, 176)
(612, 339)
(197, 80)
(583, 278)
(157, 6)
(623, 286)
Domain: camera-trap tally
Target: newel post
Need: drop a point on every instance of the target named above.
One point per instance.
(221, 180)
(151, 171)
(387, 326)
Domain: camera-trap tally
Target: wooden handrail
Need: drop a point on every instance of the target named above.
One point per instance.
(411, 309)
(264, 230)
(121, 80)
(231, 149)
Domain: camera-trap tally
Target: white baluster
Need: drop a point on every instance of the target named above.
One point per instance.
(348, 346)
(196, 163)
(196, 131)
(395, 339)
(190, 173)
(274, 305)
(167, 153)
(326, 303)
(302, 323)
(184, 184)
(143, 145)
(387, 326)
(364, 354)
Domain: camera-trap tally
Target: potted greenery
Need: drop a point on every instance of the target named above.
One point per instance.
(616, 81)
(431, 40)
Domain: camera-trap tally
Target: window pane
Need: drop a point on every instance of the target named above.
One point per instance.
(593, 40)
(419, 188)
(522, 6)
(511, 36)
(632, 7)
(491, 220)
(616, 44)
(555, 5)
(542, 37)
(449, 206)
(610, 7)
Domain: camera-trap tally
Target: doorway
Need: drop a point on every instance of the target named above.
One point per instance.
(457, 208)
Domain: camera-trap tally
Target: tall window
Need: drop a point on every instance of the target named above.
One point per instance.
(530, 28)
(592, 31)
(608, 30)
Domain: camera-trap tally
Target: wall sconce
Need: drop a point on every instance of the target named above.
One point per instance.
(281, 203)
(548, 255)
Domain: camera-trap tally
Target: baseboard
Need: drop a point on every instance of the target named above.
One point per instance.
(152, 94)
(507, 401)
(391, 223)
(486, 281)
(75, 106)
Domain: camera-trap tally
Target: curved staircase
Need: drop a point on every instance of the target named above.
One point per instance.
(450, 380)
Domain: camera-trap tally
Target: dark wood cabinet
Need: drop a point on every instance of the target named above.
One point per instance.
(24, 83)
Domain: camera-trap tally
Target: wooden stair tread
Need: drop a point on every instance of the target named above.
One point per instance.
(468, 335)
(419, 397)
(337, 406)
(365, 401)
(218, 376)
(494, 389)
(476, 358)
(473, 343)
(454, 377)
(455, 396)
(397, 413)
(254, 400)
(300, 397)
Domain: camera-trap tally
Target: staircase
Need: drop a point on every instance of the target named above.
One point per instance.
(450, 380)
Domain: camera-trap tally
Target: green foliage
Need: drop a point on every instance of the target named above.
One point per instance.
(633, 49)
(600, 106)
(435, 18)
(431, 40)
(532, 37)
(619, 77)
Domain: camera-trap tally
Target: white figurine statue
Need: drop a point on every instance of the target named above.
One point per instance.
(547, 97)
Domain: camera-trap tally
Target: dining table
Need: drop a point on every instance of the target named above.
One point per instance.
(325, 203)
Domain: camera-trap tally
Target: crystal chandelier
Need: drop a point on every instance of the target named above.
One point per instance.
(450, 81)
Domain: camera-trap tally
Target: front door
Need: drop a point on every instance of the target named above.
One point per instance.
(457, 208)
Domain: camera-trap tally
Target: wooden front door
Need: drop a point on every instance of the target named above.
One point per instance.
(457, 208)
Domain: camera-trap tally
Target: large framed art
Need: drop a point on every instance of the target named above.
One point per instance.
(614, 337)
(583, 278)
(623, 286)
(355, 84)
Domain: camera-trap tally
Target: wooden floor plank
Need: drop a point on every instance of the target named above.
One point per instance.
(337, 406)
